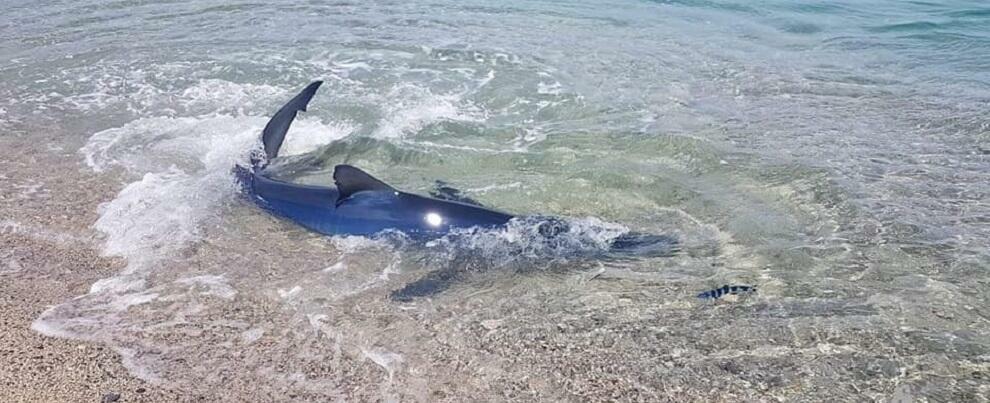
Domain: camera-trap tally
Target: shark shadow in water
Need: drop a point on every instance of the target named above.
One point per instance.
(360, 204)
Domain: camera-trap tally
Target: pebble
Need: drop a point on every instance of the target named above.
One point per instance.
(491, 324)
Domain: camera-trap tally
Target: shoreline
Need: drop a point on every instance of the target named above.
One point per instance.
(591, 348)
(40, 368)
(48, 255)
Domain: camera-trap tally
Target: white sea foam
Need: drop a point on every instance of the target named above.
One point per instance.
(289, 294)
(10, 265)
(31, 189)
(336, 267)
(316, 321)
(208, 93)
(216, 285)
(180, 173)
(527, 137)
(122, 283)
(389, 361)
(351, 243)
(123, 301)
(411, 108)
(527, 238)
(490, 188)
(160, 214)
(122, 86)
(138, 364)
(252, 335)
(153, 145)
(42, 234)
(184, 166)
(309, 134)
(545, 88)
(431, 144)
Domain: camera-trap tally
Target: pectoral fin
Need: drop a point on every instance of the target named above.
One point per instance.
(443, 191)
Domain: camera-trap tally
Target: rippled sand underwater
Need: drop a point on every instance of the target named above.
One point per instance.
(834, 155)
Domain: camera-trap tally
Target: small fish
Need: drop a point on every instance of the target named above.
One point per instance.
(726, 290)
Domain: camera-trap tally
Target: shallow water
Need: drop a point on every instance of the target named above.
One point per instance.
(834, 154)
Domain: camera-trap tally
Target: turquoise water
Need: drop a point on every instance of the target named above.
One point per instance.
(835, 154)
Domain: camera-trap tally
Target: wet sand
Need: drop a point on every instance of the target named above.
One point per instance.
(48, 254)
(600, 342)
(44, 369)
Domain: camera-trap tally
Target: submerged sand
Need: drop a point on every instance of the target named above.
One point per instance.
(37, 368)
(50, 255)
(607, 341)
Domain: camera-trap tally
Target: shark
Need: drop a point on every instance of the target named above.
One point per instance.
(360, 204)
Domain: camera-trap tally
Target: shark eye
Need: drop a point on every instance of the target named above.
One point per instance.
(433, 219)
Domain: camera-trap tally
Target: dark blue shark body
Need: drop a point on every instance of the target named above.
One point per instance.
(359, 204)
(368, 212)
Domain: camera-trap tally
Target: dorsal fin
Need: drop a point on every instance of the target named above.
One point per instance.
(351, 180)
(275, 130)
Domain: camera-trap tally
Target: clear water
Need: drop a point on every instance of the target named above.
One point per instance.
(834, 153)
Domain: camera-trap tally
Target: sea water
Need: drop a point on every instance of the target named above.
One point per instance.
(835, 154)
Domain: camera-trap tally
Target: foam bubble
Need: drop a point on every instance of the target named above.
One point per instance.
(544, 88)
(389, 361)
(208, 93)
(121, 283)
(153, 145)
(181, 179)
(121, 302)
(216, 285)
(185, 166)
(42, 234)
(529, 239)
(252, 335)
(411, 108)
(496, 187)
(352, 243)
(290, 293)
(309, 134)
(135, 89)
(10, 265)
(336, 267)
(160, 214)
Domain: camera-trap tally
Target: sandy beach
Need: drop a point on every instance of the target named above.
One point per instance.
(37, 368)
(831, 159)
(50, 255)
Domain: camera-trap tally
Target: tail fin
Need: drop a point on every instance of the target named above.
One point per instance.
(275, 130)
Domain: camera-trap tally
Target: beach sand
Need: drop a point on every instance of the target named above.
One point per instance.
(36, 368)
(49, 254)
(610, 345)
